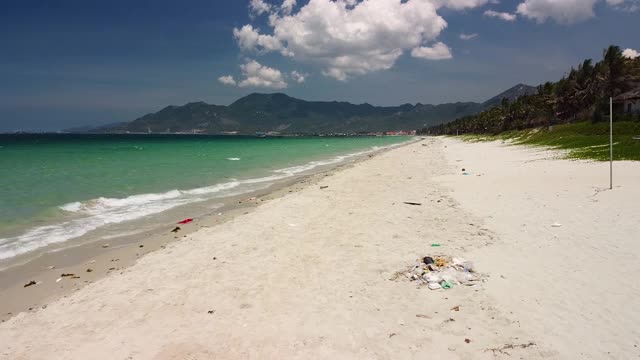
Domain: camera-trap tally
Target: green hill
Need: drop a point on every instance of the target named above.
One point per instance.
(288, 115)
(582, 95)
(511, 95)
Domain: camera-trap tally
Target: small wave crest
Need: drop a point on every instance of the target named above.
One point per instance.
(96, 213)
(100, 212)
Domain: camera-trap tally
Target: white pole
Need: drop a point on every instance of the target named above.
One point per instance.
(611, 143)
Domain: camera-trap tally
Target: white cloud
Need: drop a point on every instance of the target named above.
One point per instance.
(500, 15)
(439, 51)
(249, 38)
(459, 4)
(259, 7)
(464, 36)
(625, 5)
(630, 53)
(298, 77)
(351, 37)
(287, 6)
(256, 75)
(569, 11)
(227, 80)
(561, 11)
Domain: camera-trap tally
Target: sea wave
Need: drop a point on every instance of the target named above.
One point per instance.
(96, 213)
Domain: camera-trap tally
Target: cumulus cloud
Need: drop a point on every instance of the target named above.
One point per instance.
(249, 38)
(298, 77)
(259, 7)
(287, 6)
(464, 36)
(227, 80)
(257, 75)
(500, 15)
(439, 51)
(351, 37)
(630, 53)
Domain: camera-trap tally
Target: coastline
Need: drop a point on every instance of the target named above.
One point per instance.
(93, 260)
(311, 274)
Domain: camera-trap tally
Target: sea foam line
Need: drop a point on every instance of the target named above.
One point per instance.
(96, 213)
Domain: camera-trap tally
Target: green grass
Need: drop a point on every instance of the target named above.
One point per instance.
(583, 140)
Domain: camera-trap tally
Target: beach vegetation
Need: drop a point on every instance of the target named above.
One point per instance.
(582, 140)
(582, 96)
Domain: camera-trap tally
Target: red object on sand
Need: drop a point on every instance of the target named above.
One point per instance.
(185, 221)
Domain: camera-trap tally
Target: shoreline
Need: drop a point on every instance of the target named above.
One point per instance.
(321, 273)
(106, 257)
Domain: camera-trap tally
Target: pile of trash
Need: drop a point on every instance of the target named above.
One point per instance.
(442, 272)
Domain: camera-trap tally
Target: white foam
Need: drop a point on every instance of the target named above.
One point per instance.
(93, 214)
(99, 212)
(233, 159)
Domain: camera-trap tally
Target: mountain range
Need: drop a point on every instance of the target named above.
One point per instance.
(287, 115)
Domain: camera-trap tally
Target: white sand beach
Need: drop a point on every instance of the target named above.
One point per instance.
(307, 275)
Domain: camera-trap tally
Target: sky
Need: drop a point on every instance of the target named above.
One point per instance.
(69, 63)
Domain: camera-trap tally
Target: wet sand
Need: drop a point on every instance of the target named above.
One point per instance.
(92, 260)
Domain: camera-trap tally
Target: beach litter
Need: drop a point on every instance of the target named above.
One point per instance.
(412, 203)
(30, 283)
(185, 221)
(441, 272)
(502, 350)
(556, 225)
(176, 229)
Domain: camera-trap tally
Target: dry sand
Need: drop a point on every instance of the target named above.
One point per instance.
(307, 275)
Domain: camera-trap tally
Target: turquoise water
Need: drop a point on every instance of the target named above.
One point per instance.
(55, 188)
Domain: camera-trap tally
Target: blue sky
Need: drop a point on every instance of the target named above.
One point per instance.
(70, 63)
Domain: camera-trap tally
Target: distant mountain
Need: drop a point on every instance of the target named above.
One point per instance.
(284, 114)
(512, 95)
(85, 129)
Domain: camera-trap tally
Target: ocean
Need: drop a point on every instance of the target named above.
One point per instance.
(58, 189)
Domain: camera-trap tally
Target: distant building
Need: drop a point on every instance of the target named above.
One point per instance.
(400, 133)
(630, 101)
